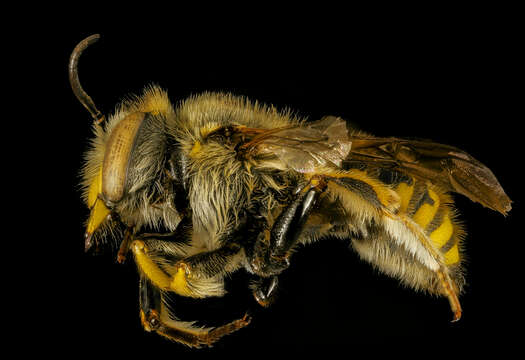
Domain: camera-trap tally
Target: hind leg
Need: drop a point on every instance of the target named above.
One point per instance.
(450, 291)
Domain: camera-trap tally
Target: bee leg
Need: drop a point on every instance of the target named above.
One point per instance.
(211, 263)
(448, 286)
(124, 245)
(184, 332)
(272, 250)
(149, 302)
(180, 235)
(265, 289)
(450, 291)
(221, 261)
(173, 264)
(168, 266)
(154, 316)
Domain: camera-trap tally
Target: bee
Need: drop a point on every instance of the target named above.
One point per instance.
(218, 183)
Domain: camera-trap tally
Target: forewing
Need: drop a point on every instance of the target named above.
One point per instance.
(446, 166)
(306, 148)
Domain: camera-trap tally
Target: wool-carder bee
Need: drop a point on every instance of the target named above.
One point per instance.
(218, 183)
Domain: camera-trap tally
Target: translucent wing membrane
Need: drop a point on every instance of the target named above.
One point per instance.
(446, 166)
(326, 143)
(304, 149)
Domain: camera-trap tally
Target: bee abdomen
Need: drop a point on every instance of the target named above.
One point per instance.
(432, 209)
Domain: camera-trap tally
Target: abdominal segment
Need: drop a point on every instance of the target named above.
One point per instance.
(388, 242)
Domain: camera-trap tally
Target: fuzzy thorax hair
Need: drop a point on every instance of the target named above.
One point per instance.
(217, 178)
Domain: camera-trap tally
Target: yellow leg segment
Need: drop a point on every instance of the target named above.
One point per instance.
(195, 337)
(160, 278)
(450, 291)
(447, 284)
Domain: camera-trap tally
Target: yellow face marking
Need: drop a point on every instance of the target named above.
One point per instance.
(95, 188)
(99, 212)
(452, 256)
(405, 192)
(443, 233)
(426, 212)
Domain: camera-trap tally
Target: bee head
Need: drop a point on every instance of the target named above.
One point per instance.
(113, 185)
(123, 175)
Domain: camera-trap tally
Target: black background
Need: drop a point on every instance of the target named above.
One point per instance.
(450, 78)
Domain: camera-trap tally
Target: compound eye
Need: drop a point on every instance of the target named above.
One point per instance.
(117, 156)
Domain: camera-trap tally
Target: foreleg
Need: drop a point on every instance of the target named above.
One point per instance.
(171, 267)
(181, 235)
(155, 316)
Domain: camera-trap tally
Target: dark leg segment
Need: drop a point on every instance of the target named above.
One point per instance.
(124, 245)
(149, 302)
(180, 235)
(211, 263)
(265, 289)
(289, 224)
(272, 250)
